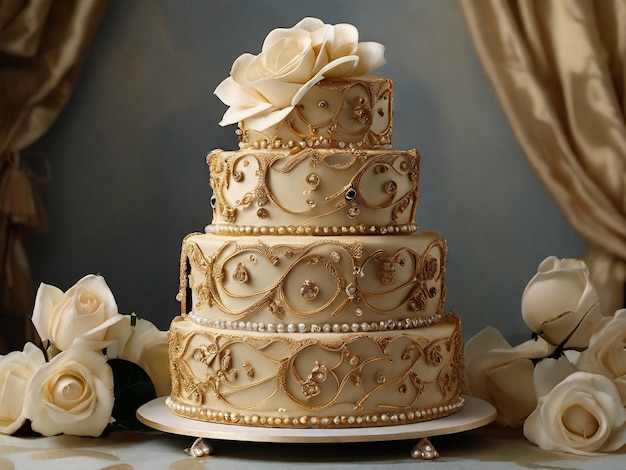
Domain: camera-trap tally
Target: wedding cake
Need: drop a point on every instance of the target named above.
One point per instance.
(312, 300)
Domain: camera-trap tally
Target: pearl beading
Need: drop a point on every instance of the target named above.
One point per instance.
(304, 421)
(226, 229)
(262, 327)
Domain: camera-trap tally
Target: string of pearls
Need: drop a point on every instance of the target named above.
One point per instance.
(371, 419)
(383, 325)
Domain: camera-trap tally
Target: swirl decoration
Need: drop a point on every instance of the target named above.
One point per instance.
(315, 376)
(351, 119)
(336, 184)
(328, 275)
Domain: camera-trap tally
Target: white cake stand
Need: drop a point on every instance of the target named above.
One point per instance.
(474, 414)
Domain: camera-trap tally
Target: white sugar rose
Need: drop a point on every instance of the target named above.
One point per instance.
(86, 311)
(264, 89)
(561, 304)
(71, 394)
(16, 370)
(577, 412)
(606, 354)
(148, 348)
(502, 374)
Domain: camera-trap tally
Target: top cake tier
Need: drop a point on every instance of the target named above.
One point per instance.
(342, 113)
(309, 86)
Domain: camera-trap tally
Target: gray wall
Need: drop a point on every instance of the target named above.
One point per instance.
(130, 179)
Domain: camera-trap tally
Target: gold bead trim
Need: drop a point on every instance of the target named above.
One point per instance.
(315, 142)
(236, 230)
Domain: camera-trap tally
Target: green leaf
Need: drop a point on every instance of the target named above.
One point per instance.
(132, 388)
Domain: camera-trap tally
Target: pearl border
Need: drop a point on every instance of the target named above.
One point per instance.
(383, 325)
(200, 413)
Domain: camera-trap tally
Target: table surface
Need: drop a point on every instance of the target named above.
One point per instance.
(490, 447)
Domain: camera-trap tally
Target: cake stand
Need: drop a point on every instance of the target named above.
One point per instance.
(474, 414)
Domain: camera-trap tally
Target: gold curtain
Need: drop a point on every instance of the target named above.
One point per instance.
(558, 68)
(43, 45)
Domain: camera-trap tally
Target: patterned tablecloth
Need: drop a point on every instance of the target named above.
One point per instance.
(486, 448)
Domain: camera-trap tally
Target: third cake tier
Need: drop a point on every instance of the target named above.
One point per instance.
(309, 284)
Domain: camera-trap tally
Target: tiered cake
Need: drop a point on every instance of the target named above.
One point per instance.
(312, 300)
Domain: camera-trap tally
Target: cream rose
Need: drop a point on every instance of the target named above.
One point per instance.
(86, 311)
(561, 304)
(606, 354)
(16, 370)
(264, 89)
(71, 394)
(577, 412)
(502, 374)
(148, 348)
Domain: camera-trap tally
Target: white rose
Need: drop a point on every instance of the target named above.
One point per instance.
(561, 304)
(577, 412)
(71, 394)
(16, 370)
(86, 311)
(606, 354)
(264, 89)
(502, 375)
(148, 348)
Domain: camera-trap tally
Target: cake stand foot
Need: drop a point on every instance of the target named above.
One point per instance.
(424, 450)
(200, 448)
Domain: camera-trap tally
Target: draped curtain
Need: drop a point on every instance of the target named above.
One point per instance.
(43, 44)
(558, 68)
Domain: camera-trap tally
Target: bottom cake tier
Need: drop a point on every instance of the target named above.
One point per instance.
(316, 380)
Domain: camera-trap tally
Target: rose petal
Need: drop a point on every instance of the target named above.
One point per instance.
(371, 56)
(45, 301)
(233, 94)
(288, 60)
(16, 370)
(148, 347)
(341, 67)
(345, 41)
(344, 64)
(512, 392)
(278, 93)
(549, 372)
(310, 24)
(502, 375)
(267, 120)
(487, 339)
(98, 337)
(606, 354)
(234, 115)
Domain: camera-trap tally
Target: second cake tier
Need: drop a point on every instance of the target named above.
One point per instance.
(314, 191)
